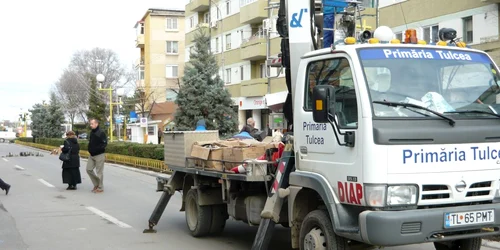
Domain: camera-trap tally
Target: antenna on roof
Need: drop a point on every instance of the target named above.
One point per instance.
(402, 12)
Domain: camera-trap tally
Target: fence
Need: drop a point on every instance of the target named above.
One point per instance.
(137, 162)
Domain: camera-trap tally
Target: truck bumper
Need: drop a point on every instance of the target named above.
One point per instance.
(392, 228)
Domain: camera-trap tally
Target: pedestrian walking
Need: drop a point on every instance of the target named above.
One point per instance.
(71, 169)
(4, 186)
(96, 148)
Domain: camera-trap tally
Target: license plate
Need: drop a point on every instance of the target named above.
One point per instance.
(468, 218)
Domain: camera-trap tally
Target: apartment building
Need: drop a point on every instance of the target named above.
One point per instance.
(160, 39)
(476, 21)
(239, 31)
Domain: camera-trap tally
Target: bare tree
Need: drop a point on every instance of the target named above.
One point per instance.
(71, 94)
(73, 87)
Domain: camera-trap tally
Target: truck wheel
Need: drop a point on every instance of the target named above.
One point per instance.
(469, 244)
(316, 233)
(198, 218)
(219, 218)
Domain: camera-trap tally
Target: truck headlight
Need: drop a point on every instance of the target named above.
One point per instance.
(401, 195)
(375, 195)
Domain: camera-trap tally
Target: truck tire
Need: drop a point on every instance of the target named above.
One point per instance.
(316, 233)
(219, 218)
(469, 244)
(198, 218)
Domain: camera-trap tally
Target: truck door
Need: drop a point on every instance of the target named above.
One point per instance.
(318, 150)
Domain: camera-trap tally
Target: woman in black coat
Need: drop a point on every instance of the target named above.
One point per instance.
(71, 168)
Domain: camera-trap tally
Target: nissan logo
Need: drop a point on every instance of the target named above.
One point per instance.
(460, 187)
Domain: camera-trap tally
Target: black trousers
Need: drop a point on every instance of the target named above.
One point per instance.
(3, 185)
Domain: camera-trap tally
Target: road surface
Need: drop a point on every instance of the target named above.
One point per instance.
(39, 213)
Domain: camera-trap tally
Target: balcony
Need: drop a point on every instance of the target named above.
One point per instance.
(254, 87)
(234, 90)
(254, 12)
(198, 5)
(253, 49)
(139, 42)
(190, 36)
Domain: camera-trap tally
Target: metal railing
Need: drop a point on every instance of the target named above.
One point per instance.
(136, 162)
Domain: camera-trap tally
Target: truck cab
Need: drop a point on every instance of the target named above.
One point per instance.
(399, 143)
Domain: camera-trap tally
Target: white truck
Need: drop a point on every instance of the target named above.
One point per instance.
(393, 144)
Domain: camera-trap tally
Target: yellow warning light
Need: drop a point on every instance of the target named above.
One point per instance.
(395, 41)
(319, 105)
(461, 44)
(350, 40)
(373, 41)
(442, 43)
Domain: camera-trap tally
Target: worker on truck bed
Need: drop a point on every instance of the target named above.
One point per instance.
(249, 131)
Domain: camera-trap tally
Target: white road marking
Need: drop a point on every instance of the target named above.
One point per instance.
(46, 183)
(19, 167)
(108, 217)
(5, 159)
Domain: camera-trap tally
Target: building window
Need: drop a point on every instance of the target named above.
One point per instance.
(171, 95)
(171, 23)
(242, 36)
(171, 71)
(242, 73)
(228, 41)
(431, 34)
(217, 45)
(228, 75)
(141, 73)
(141, 29)
(262, 70)
(172, 47)
(468, 34)
(206, 17)
(340, 77)
(228, 7)
(191, 22)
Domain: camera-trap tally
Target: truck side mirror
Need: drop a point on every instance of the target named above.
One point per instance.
(323, 103)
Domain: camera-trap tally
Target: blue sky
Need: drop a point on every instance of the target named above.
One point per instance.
(40, 36)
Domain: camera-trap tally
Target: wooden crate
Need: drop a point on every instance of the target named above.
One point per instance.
(178, 144)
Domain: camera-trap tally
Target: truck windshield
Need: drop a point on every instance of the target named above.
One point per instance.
(462, 84)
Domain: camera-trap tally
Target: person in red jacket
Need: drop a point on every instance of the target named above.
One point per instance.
(4, 186)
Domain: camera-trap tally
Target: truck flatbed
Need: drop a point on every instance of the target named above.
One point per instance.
(191, 168)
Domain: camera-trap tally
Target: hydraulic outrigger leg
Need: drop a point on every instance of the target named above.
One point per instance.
(160, 208)
(271, 212)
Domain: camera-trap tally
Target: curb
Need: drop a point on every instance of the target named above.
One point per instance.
(491, 244)
(146, 172)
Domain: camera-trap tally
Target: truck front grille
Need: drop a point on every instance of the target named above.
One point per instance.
(434, 192)
(479, 189)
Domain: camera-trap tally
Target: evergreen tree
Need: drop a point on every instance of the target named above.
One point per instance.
(39, 126)
(202, 94)
(55, 117)
(97, 107)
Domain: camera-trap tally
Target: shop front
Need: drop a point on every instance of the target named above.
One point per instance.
(254, 107)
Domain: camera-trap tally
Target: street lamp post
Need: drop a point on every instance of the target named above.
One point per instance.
(100, 79)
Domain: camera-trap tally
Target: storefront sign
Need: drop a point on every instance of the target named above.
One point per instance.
(250, 103)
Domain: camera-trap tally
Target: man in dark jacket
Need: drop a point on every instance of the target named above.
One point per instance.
(98, 141)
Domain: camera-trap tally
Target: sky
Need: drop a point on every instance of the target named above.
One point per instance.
(40, 36)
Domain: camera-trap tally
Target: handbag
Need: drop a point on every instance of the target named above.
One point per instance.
(66, 156)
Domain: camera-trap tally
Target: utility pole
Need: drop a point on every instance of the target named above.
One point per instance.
(221, 39)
